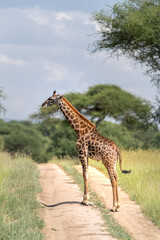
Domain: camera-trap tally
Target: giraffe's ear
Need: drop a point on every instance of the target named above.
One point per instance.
(61, 97)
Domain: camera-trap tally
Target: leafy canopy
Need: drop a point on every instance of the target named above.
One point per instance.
(132, 29)
(101, 101)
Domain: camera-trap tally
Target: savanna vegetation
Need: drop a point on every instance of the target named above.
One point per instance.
(118, 115)
(19, 209)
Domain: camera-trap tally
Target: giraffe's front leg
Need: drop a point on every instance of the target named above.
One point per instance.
(84, 162)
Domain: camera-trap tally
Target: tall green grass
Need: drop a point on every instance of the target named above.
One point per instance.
(19, 218)
(143, 183)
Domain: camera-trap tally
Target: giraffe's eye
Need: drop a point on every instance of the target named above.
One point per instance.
(51, 99)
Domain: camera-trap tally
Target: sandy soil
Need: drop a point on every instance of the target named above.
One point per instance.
(65, 218)
(129, 215)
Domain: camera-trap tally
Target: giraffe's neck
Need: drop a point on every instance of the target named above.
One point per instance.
(79, 123)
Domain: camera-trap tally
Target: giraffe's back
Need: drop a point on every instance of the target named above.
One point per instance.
(100, 148)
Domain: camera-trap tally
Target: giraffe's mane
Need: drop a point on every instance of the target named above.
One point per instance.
(78, 113)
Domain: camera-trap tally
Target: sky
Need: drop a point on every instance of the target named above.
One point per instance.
(44, 46)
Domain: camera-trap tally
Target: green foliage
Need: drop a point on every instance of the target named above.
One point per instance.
(132, 29)
(119, 134)
(22, 137)
(48, 126)
(43, 114)
(155, 142)
(63, 141)
(55, 137)
(147, 137)
(19, 217)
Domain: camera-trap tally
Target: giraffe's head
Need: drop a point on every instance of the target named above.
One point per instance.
(53, 100)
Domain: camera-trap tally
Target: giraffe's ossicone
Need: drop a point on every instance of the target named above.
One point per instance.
(90, 144)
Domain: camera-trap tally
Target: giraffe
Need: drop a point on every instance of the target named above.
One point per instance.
(90, 144)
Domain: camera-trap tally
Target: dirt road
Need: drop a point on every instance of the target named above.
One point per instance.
(129, 215)
(65, 217)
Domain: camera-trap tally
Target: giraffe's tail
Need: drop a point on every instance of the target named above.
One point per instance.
(120, 163)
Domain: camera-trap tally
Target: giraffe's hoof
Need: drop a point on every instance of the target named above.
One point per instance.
(85, 203)
(117, 208)
(112, 210)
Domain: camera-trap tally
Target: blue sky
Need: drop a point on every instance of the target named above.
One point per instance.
(44, 47)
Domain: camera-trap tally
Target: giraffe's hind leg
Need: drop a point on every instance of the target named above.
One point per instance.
(84, 163)
(118, 204)
(114, 183)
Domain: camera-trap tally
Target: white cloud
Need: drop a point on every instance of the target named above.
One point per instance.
(56, 22)
(55, 74)
(62, 73)
(6, 60)
(63, 16)
(40, 19)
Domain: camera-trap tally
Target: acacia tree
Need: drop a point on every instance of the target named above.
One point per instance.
(132, 29)
(105, 101)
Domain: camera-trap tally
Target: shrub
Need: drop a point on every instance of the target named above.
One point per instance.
(25, 140)
(119, 134)
(63, 141)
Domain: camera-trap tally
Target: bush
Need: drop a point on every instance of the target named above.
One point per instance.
(63, 141)
(26, 140)
(155, 143)
(147, 137)
(119, 134)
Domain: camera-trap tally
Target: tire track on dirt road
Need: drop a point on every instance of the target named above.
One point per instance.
(65, 218)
